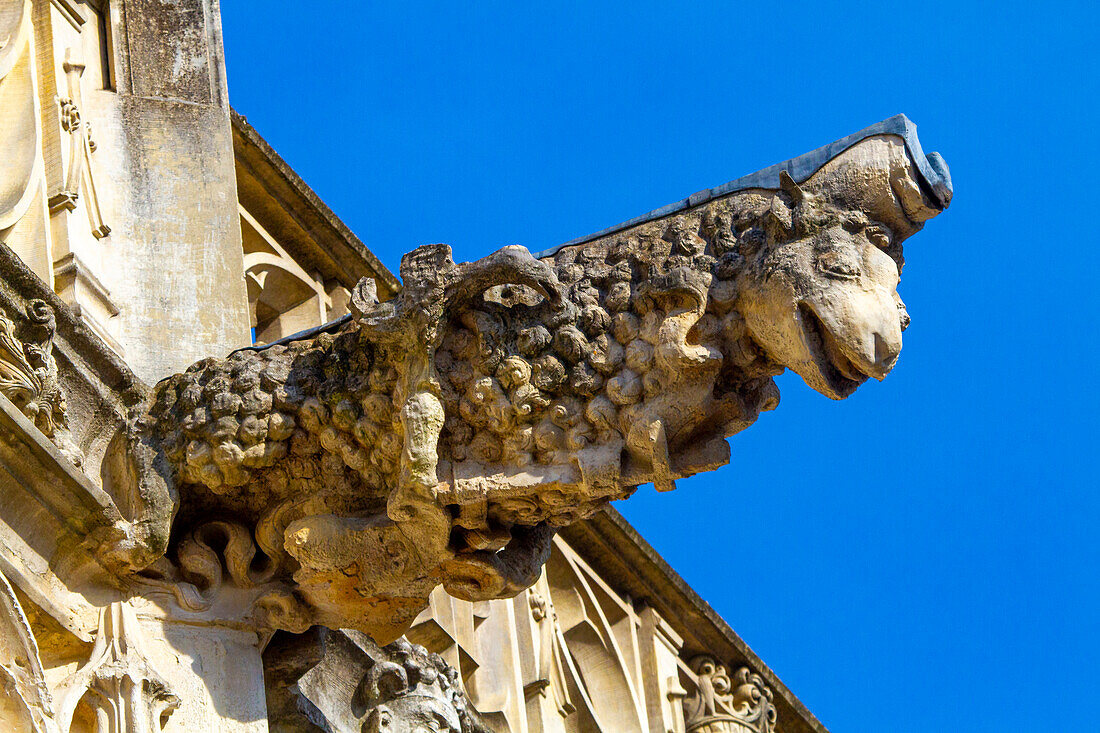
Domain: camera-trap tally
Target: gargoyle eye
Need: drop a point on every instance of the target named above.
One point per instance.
(839, 264)
(878, 236)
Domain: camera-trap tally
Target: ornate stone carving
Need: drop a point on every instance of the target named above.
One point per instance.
(118, 681)
(28, 374)
(213, 553)
(724, 704)
(442, 437)
(80, 176)
(551, 670)
(584, 671)
(346, 683)
(410, 690)
(25, 702)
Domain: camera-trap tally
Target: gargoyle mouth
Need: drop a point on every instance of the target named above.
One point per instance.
(841, 375)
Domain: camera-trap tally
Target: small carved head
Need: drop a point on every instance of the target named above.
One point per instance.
(818, 292)
(413, 691)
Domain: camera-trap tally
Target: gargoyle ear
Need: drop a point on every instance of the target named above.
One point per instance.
(364, 296)
(792, 189)
(778, 220)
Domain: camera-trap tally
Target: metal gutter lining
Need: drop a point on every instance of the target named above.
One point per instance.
(933, 170)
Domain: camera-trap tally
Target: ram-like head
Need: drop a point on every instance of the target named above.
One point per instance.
(819, 287)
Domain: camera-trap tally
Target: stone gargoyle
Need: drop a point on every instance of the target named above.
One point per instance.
(441, 437)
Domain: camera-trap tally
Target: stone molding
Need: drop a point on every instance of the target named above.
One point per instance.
(25, 700)
(118, 681)
(80, 177)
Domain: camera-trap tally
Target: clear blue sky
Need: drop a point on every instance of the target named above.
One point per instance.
(921, 557)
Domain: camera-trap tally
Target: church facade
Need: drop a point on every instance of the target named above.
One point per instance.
(255, 481)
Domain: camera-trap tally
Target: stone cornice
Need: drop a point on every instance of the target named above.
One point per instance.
(325, 241)
(53, 518)
(615, 549)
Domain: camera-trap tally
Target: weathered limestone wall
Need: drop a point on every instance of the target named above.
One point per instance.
(175, 252)
(215, 672)
(129, 208)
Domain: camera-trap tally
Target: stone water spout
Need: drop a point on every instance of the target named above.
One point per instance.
(443, 436)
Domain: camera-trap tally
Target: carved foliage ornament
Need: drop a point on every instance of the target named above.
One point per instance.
(443, 436)
(722, 703)
(28, 374)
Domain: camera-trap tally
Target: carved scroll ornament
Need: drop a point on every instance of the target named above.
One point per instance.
(724, 703)
(442, 437)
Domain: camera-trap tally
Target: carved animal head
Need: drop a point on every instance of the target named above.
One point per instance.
(819, 293)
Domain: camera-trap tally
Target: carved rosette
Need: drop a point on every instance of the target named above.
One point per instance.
(722, 703)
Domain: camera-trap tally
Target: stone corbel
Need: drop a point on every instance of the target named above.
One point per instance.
(75, 282)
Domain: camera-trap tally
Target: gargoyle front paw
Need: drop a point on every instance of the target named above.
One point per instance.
(483, 576)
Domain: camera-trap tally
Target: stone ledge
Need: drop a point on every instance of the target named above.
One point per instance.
(50, 510)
